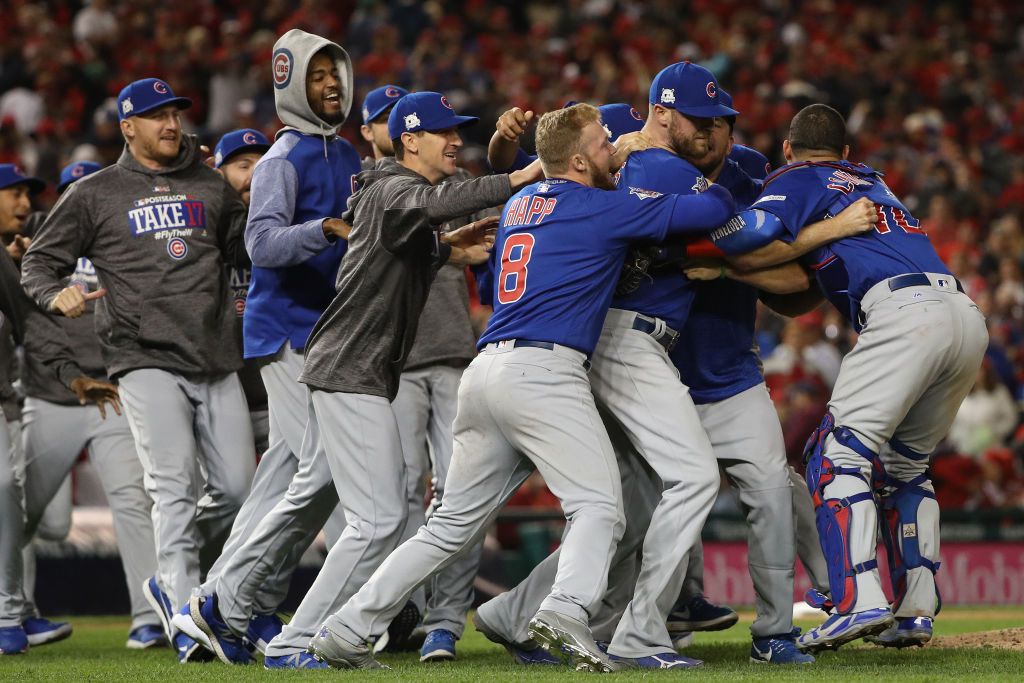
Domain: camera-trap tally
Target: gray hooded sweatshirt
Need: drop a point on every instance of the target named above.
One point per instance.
(159, 241)
(361, 343)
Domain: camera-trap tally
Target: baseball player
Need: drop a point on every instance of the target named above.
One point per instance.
(45, 339)
(921, 343)
(350, 359)
(159, 226)
(56, 429)
(296, 240)
(524, 402)
(376, 108)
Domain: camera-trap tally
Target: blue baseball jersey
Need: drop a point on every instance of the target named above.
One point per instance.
(716, 354)
(561, 247)
(668, 294)
(805, 192)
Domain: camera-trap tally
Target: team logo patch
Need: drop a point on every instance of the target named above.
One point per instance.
(392, 92)
(771, 198)
(77, 171)
(249, 137)
(444, 101)
(700, 185)
(161, 188)
(177, 248)
(155, 215)
(668, 96)
(542, 188)
(642, 194)
(366, 113)
(240, 306)
(412, 121)
(712, 89)
(218, 158)
(909, 531)
(635, 114)
(160, 87)
(282, 67)
(127, 107)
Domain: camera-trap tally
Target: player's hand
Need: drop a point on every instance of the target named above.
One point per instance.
(512, 124)
(335, 227)
(525, 176)
(704, 269)
(18, 246)
(470, 256)
(70, 301)
(626, 144)
(207, 156)
(96, 391)
(858, 217)
(477, 233)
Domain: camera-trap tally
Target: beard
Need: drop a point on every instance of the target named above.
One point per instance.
(157, 153)
(601, 180)
(691, 147)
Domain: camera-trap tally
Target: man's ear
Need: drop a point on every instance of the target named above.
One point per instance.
(846, 151)
(127, 128)
(578, 163)
(787, 151)
(367, 134)
(411, 143)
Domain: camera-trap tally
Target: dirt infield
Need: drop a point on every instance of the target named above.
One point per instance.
(1003, 639)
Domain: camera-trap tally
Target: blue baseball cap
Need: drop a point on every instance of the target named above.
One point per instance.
(76, 171)
(378, 100)
(11, 175)
(690, 90)
(242, 140)
(620, 119)
(427, 111)
(145, 95)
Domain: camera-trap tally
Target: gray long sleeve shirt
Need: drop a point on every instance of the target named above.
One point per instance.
(362, 341)
(158, 240)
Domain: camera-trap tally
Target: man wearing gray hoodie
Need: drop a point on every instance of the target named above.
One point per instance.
(159, 226)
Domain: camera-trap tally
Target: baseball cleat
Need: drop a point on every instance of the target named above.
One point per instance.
(397, 638)
(527, 654)
(906, 632)
(666, 660)
(330, 649)
(189, 651)
(228, 647)
(439, 646)
(13, 640)
(780, 649)
(184, 623)
(158, 600)
(700, 615)
(298, 660)
(43, 631)
(840, 629)
(263, 628)
(565, 637)
(146, 636)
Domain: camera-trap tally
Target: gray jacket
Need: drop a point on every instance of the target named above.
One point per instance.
(362, 341)
(159, 241)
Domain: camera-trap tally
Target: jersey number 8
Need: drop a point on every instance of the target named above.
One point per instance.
(514, 258)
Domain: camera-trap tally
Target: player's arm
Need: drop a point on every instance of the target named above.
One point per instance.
(271, 238)
(787, 278)
(231, 229)
(747, 250)
(792, 305)
(54, 253)
(701, 212)
(503, 151)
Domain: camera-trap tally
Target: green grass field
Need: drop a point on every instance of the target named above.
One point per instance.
(96, 652)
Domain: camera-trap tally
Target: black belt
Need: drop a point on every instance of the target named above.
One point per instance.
(665, 336)
(918, 280)
(550, 346)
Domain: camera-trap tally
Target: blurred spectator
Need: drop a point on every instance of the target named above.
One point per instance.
(987, 416)
(804, 350)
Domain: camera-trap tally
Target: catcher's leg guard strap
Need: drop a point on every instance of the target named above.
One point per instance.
(910, 524)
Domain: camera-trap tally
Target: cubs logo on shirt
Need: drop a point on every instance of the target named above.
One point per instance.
(177, 248)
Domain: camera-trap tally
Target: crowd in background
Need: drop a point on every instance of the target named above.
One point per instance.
(930, 90)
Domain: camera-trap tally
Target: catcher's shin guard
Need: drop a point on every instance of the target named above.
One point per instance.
(833, 516)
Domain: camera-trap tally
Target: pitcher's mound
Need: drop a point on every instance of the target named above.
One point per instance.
(1004, 639)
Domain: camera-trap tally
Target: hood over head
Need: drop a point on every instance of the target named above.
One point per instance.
(292, 54)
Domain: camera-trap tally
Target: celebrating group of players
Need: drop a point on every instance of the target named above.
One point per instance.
(619, 362)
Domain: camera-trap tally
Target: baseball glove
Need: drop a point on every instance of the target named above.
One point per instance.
(635, 270)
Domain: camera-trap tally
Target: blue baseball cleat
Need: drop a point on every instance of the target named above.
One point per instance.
(700, 615)
(906, 632)
(527, 656)
(667, 660)
(43, 631)
(299, 660)
(158, 600)
(189, 651)
(146, 636)
(439, 646)
(840, 629)
(780, 649)
(228, 647)
(263, 628)
(13, 640)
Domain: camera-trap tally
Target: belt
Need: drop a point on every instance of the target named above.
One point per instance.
(656, 327)
(550, 346)
(917, 280)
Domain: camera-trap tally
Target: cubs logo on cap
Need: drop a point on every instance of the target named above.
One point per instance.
(379, 100)
(689, 89)
(427, 111)
(281, 64)
(146, 95)
(11, 175)
(76, 171)
(620, 119)
(238, 141)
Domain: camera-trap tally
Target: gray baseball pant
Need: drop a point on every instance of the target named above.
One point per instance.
(12, 527)
(289, 413)
(175, 423)
(52, 437)
(519, 408)
(636, 382)
(425, 409)
(916, 359)
(808, 547)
